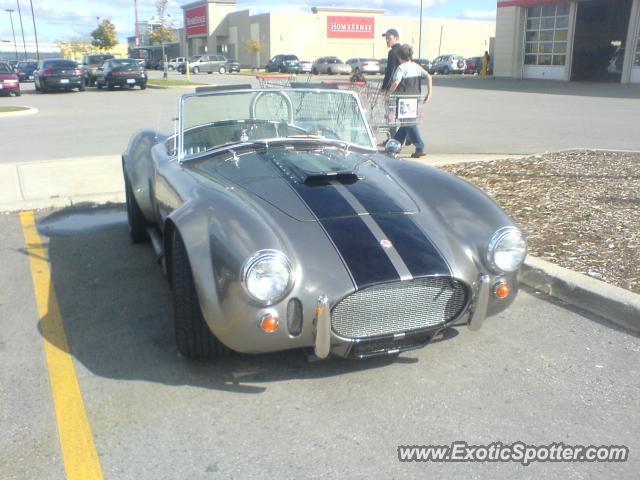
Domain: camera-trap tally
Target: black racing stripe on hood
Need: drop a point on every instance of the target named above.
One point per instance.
(365, 258)
(323, 200)
(373, 197)
(418, 252)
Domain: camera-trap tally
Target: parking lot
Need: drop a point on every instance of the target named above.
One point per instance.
(539, 373)
(466, 115)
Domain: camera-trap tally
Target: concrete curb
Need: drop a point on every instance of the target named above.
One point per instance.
(615, 304)
(28, 111)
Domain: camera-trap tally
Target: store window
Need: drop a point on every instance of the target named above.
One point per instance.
(546, 34)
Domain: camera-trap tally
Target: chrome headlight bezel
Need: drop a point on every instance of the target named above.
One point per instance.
(257, 259)
(494, 245)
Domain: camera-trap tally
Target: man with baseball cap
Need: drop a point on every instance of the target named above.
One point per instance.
(393, 60)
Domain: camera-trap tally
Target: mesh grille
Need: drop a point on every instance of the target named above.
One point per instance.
(399, 307)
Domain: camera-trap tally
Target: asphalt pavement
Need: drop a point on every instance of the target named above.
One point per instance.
(467, 115)
(538, 373)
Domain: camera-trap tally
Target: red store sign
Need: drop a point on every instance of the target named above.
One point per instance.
(195, 20)
(350, 27)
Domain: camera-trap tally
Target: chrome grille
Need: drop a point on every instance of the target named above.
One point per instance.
(399, 307)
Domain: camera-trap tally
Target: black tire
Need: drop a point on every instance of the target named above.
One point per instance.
(109, 85)
(137, 222)
(143, 86)
(81, 88)
(99, 86)
(193, 337)
(222, 70)
(445, 70)
(195, 70)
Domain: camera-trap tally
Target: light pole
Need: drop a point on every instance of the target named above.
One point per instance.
(15, 45)
(33, 17)
(420, 34)
(24, 44)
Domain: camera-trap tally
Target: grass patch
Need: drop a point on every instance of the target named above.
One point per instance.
(12, 109)
(161, 82)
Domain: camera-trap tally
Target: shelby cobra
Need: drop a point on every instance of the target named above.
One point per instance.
(281, 226)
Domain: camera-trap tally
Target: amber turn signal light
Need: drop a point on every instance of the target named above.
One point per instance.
(502, 290)
(269, 323)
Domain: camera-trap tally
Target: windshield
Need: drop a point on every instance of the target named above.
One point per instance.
(124, 63)
(98, 59)
(59, 64)
(223, 118)
(5, 68)
(290, 57)
(334, 60)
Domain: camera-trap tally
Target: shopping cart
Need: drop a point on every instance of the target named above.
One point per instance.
(383, 110)
(275, 81)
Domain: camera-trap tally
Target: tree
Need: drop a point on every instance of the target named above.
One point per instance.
(162, 33)
(253, 47)
(104, 37)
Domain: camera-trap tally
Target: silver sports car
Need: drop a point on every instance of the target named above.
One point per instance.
(281, 226)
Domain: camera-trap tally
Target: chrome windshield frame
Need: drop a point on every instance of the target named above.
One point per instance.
(182, 157)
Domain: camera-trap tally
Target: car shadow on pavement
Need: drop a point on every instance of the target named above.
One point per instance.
(116, 309)
(547, 87)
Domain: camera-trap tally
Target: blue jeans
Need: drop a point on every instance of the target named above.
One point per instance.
(413, 131)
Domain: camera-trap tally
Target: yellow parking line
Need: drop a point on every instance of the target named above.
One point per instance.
(76, 440)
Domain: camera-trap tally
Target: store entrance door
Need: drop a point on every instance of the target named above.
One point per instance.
(600, 39)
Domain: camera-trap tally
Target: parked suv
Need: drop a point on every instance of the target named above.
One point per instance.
(448, 64)
(206, 63)
(283, 64)
(90, 64)
(173, 63)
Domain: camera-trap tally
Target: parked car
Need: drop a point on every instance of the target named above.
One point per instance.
(58, 74)
(121, 72)
(448, 64)
(364, 65)
(424, 63)
(91, 63)
(173, 63)
(206, 63)
(233, 65)
(25, 70)
(284, 228)
(383, 65)
(305, 66)
(283, 64)
(473, 65)
(330, 65)
(9, 82)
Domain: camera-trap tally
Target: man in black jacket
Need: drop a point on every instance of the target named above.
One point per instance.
(393, 60)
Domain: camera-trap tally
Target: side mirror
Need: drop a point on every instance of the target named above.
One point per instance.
(392, 147)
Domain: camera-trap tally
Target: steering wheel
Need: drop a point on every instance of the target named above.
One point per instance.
(326, 132)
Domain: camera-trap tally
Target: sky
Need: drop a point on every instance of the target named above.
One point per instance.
(63, 20)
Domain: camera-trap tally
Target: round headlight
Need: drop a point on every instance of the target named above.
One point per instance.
(267, 276)
(507, 250)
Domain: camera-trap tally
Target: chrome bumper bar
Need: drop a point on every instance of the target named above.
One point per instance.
(482, 303)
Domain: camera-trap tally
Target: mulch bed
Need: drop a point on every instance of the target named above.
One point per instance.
(579, 209)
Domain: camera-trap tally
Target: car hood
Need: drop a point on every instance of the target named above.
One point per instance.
(370, 220)
(8, 76)
(277, 178)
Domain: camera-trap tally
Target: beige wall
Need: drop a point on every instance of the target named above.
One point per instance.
(305, 35)
(508, 50)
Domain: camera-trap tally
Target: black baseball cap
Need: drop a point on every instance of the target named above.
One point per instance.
(391, 31)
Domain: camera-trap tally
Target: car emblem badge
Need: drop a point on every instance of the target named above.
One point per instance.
(386, 243)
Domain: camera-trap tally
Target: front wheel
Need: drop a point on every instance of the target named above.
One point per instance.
(81, 88)
(222, 70)
(143, 86)
(193, 337)
(195, 70)
(135, 217)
